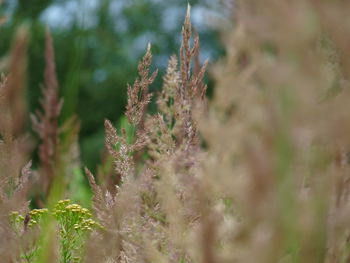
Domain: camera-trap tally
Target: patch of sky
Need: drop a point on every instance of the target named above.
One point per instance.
(115, 11)
(9, 7)
(116, 7)
(161, 61)
(140, 43)
(199, 16)
(99, 75)
(58, 16)
(171, 18)
(64, 14)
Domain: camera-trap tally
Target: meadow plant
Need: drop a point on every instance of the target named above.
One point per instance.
(74, 224)
(45, 123)
(257, 173)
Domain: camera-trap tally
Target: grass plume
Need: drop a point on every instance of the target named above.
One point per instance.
(257, 172)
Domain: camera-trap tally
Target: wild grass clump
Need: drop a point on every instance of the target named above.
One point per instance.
(257, 173)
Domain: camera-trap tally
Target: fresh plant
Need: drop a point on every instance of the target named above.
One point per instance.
(75, 222)
(24, 226)
(74, 225)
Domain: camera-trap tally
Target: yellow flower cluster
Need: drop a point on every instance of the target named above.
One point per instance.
(74, 225)
(35, 216)
(16, 220)
(66, 213)
(74, 215)
(86, 224)
(16, 216)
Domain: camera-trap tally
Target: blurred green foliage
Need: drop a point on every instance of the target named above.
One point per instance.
(97, 45)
